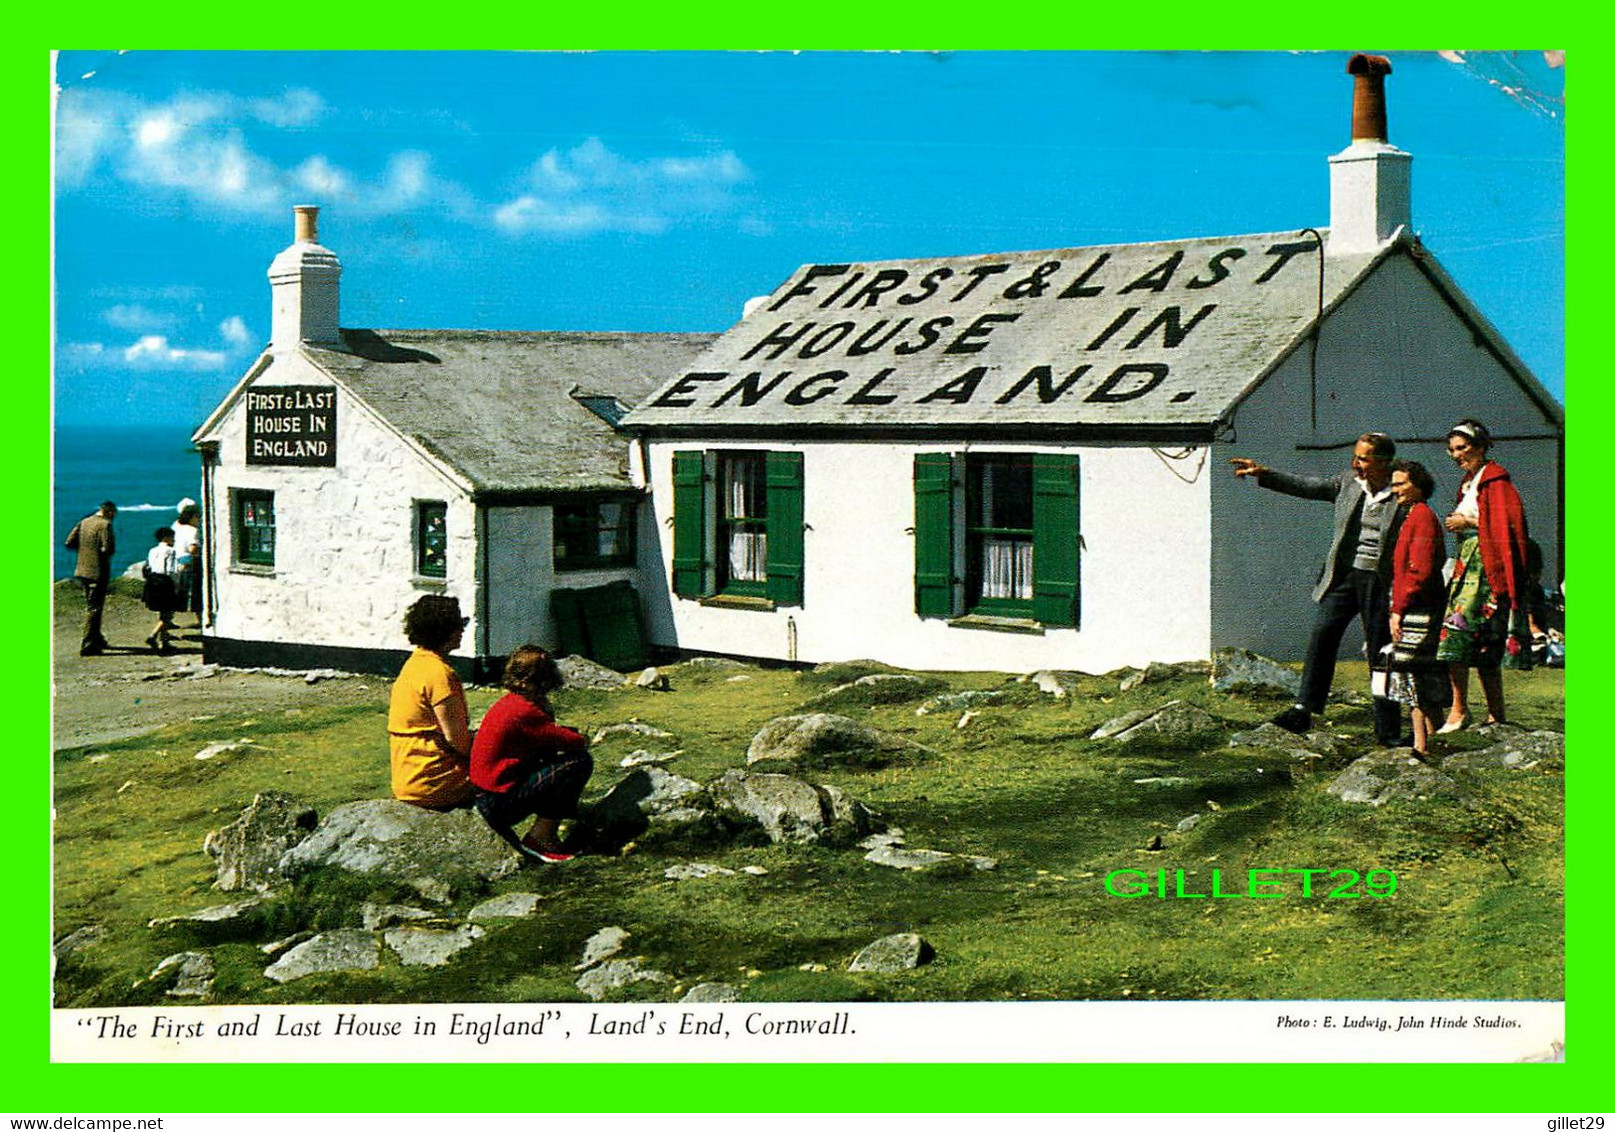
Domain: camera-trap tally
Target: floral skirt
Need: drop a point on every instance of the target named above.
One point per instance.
(1480, 630)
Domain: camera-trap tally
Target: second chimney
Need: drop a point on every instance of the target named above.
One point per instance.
(1370, 181)
(304, 287)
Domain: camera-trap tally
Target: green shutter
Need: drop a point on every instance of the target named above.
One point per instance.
(1056, 539)
(689, 523)
(785, 551)
(933, 534)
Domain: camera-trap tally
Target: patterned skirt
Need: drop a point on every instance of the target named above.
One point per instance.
(1480, 630)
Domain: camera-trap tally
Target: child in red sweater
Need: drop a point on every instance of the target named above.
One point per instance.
(523, 763)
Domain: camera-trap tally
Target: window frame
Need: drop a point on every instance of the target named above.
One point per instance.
(701, 530)
(242, 531)
(973, 574)
(943, 543)
(724, 524)
(419, 516)
(564, 531)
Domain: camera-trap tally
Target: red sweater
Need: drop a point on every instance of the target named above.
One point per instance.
(1421, 551)
(1502, 533)
(517, 737)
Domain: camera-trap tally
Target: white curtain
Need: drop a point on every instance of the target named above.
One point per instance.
(748, 550)
(1006, 568)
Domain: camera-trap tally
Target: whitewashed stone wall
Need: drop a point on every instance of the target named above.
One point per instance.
(1395, 359)
(344, 567)
(1145, 571)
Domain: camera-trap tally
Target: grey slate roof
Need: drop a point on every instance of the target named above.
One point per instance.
(498, 406)
(1169, 334)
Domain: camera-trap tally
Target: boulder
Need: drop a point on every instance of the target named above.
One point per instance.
(901, 952)
(216, 915)
(249, 849)
(714, 662)
(820, 738)
(696, 870)
(581, 672)
(1176, 717)
(599, 981)
(510, 906)
(433, 852)
(647, 758)
(1240, 670)
(1272, 735)
(1514, 749)
(654, 680)
(1156, 673)
(959, 701)
(190, 973)
(223, 747)
(651, 797)
(348, 949)
(374, 917)
(1054, 683)
(790, 810)
(921, 860)
(712, 992)
(74, 942)
(642, 733)
(602, 945)
(430, 947)
(1384, 776)
(878, 688)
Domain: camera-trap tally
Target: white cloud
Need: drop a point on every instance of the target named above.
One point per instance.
(153, 351)
(591, 188)
(136, 318)
(234, 331)
(207, 148)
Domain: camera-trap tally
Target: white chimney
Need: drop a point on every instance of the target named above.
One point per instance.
(1370, 181)
(303, 287)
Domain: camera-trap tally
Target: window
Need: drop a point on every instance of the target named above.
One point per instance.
(254, 521)
(594, 533)
(998, 535)
(737, 525)
(1017, 548)
(743, 524)
(431, 538)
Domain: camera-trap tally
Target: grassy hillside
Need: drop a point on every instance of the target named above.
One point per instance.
(1477, 912)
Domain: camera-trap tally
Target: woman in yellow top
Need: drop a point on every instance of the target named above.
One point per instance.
(428, 726)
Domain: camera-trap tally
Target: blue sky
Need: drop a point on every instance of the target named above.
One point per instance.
(658, 191)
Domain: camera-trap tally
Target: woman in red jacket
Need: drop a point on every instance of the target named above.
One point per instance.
(1418, 597)
(523, 763)
(1487, 624)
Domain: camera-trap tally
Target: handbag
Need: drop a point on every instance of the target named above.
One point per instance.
(1418, 641)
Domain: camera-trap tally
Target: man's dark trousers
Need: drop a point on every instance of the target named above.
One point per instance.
(95, 599)
(1358, 593)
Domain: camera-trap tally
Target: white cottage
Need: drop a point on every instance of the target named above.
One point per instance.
(351, 471)
(1017, 461)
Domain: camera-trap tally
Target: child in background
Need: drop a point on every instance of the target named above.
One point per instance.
(160, 595)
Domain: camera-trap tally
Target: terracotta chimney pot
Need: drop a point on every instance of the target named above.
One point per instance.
(1368, 97)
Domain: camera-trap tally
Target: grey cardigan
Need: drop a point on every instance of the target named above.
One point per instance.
(1346, 493)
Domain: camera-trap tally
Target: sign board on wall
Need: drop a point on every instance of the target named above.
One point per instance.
(292, 425)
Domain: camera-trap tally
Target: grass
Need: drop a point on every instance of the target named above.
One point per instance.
(1477, 913)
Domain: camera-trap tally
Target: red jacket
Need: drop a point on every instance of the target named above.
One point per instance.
(1421, 551)
(516, 738)
(1502, 533)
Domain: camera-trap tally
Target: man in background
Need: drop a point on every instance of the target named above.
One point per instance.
(92, 538)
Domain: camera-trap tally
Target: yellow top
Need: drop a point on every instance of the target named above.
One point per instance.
(423, 772)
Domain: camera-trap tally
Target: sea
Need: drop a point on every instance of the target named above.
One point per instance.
(145, 470)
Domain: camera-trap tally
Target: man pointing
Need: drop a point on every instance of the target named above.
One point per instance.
(1356, 577)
